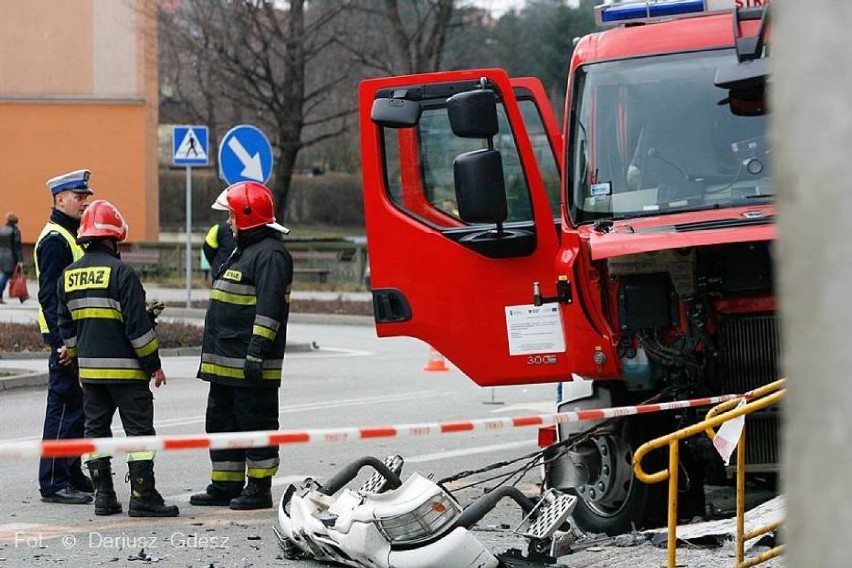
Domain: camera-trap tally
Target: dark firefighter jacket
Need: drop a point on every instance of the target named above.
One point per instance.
(103, 321)
(248, 311)
(218, 246)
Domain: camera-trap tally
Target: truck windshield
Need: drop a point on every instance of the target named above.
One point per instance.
(654, 135)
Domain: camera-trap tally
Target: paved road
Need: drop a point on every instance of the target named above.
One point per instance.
(354, 379)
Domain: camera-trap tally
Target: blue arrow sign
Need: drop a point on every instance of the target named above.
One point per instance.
(190, 146)
(245, 155)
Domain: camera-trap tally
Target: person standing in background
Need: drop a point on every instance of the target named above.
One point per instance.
(11, 253)
(61, 480)
(218, 246)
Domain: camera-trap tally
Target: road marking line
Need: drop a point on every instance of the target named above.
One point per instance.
(450, 454)
(438, 456)
(290, 409)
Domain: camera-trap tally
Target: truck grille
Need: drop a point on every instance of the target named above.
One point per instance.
(750, 346)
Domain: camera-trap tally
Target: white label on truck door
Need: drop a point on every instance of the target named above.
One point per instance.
(535, 329)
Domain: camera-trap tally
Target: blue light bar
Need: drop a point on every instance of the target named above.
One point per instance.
(640, 11)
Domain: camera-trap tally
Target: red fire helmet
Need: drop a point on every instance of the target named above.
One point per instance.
(102, 220)
(252, 205)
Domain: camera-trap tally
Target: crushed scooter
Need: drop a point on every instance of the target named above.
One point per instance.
(415, 523)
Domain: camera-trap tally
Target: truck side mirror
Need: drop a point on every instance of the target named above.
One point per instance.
(480, 187)
(473, 114)
(395, 112)
(746, 79)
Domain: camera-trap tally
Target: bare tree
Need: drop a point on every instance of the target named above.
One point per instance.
(394, 37)
(249, 61)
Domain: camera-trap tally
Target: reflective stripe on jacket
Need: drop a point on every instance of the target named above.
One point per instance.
(247, 315)
(103, 321)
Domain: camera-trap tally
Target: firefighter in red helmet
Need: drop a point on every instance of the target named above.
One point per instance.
(108, 331)
(245, 332)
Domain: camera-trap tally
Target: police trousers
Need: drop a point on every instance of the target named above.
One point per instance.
(63, 419)
(242, 409)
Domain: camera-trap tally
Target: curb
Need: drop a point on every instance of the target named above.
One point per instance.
(198, 314)
(20, 378)
(332, 319)
(26, 379)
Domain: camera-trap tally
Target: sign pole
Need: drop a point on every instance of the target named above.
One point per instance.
(190, 147)
(189, 236)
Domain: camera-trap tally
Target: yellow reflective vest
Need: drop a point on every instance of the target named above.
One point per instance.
(49, 230)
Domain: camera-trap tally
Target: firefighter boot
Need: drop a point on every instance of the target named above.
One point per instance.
(256, 495)
(218, 494)
(105, 500)
(145, 501)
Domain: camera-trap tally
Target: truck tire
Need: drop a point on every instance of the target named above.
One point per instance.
(616, 502)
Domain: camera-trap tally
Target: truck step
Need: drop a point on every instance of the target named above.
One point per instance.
(550, 513)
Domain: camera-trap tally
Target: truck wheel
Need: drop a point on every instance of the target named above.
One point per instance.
(614, 501)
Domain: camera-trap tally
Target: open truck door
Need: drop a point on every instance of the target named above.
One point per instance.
(461, 193)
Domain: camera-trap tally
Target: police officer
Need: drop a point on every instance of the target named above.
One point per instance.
(218, 245)
(61, 480)
(103, 320)
(243, 347)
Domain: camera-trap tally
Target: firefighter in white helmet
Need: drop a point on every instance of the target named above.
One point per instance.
(243, 347)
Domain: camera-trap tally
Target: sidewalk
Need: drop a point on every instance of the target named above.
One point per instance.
(27, 313)
(169, 294)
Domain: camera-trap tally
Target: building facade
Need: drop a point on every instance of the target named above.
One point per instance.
(78, 89)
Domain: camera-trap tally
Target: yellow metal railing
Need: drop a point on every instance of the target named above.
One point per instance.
(758, 399)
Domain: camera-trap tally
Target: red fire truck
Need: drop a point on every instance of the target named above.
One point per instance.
(627, 258)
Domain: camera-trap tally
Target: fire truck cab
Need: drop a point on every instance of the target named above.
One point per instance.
(627, 255)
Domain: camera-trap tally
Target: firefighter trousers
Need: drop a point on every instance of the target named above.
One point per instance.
(242, 409)
(63, 419)
(135, 404)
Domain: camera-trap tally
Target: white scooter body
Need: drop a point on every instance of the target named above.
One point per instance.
(345, 528)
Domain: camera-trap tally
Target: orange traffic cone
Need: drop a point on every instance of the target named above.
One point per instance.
(436, 361)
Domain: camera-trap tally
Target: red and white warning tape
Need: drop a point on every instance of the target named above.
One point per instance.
(65, 448)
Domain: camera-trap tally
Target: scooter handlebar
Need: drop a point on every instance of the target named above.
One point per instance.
(339, 480)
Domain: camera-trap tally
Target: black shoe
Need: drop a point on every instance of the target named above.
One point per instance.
(217, 494)
(68, 496)
(256, 495)
(81, 483)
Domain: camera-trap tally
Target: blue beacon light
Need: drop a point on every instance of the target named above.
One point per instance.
(619, 13)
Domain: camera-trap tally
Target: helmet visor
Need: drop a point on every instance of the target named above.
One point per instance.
(221, 203)
(278, 227)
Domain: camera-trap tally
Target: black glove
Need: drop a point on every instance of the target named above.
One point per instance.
(253, 370)
(154, 309)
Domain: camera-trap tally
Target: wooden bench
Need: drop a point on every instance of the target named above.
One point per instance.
(144, 261)
(320, 273)
(313, 256)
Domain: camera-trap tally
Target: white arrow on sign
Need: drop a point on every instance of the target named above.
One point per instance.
(251, 164)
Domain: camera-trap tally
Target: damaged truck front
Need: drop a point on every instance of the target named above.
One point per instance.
(627, 259)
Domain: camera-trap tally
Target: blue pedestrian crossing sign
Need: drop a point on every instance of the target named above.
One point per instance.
(245, 154)
(190, 146)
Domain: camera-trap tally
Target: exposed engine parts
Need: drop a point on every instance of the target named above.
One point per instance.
(677, 311)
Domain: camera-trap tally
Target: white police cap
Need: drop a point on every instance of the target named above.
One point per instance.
(76, 181)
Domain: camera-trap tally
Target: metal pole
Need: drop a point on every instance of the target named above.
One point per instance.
(188, 236)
